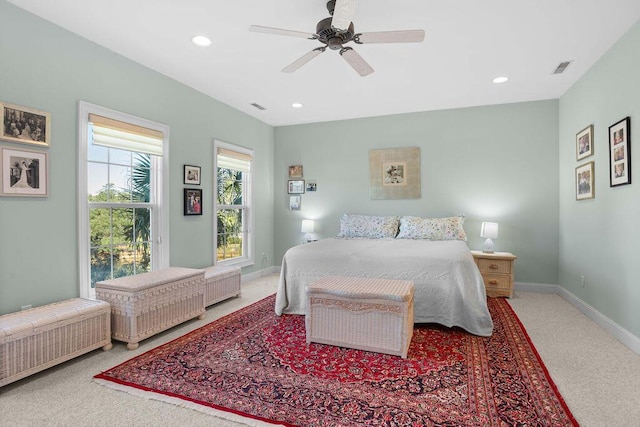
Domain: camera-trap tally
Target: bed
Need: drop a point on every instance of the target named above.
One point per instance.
(449, 289)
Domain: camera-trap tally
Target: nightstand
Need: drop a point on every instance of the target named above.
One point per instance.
(497, 272)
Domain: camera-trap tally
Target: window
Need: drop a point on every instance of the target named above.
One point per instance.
(233, 222)
(123, 225)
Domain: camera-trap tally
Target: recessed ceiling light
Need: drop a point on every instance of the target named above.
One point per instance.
(201, 41)
(501, 79)
(296, 105)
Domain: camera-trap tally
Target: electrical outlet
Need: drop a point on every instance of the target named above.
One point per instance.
(265, 257)
(582, 282)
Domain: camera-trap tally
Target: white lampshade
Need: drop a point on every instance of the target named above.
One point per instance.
(489, 230)
(307, 226)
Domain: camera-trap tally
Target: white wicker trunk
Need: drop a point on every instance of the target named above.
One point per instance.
(146, 304)
(221, 282)
(35, 339)
(362, 313)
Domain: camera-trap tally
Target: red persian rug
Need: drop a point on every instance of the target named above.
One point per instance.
(256, 364)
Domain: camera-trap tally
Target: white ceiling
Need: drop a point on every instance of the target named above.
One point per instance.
(467, 44)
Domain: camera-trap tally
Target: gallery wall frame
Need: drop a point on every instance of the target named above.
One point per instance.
(394, 173)
(295, 203)
(191, 175)
(295, 171)
(25, 125)
(24, 173)
(584, 143)
(295, 186)
(192, 201)
(620, 153)
(585, 182)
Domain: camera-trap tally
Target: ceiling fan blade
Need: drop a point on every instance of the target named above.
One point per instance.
(356, 61)
(303, 60)
(281, 32)
(343, 13)
(406, 36)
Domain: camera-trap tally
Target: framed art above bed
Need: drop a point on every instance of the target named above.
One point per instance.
(394, 173)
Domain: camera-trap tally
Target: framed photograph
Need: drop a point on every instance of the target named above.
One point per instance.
(25, 125)
(620, 153)
(585, 183)
(394, 173)
(295, 202)
(295, 171)
(296, 186)
(192, 175)
(584, 143)
(311, 186)
(24, 173)
(192, 201)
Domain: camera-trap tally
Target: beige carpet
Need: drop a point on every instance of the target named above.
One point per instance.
(597, 376)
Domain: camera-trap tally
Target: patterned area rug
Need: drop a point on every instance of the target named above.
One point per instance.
(258, 365)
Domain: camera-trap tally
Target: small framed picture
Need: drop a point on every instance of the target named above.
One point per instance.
(296, 186)
(295, 202)
(25, 125)
(585, 181)
(192, 201)
(24, 173)
(192, 175)
(584, 143)
(295, 171)
(620, 153)
(311, 186)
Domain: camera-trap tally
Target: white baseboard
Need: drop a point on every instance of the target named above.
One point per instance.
(260, 273)
(620, 333)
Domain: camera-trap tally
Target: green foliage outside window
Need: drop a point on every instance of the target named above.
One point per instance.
(229, 221)
(120, 238)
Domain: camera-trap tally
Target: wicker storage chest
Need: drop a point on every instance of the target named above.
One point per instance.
(35, 339)
(221, 282)
(362, 313)
(145, 304)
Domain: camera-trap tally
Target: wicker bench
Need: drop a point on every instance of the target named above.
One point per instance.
(362, 313)
(145, 304)
(221, 282)
(39, 338)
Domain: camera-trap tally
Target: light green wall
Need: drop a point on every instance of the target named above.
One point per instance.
(51, 69)
(599, 237)
(495, 163)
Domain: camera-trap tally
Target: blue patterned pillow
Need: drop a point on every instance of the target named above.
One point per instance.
(414, 227)
(371, 227)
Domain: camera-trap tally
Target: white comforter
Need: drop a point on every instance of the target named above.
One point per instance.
(448, 286)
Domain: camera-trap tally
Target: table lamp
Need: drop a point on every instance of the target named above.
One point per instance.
(489, 231)
(307, 228)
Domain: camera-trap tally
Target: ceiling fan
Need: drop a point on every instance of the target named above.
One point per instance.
(336, 31)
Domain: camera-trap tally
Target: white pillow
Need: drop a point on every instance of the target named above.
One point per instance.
(414, 227)
(372, 227)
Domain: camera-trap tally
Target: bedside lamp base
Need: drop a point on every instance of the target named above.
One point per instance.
(488, 247)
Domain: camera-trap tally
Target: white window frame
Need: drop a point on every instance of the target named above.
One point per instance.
(160, 250)
(248, 200)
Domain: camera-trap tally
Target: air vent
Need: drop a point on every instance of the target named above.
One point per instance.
(561, 67)
(258, 106)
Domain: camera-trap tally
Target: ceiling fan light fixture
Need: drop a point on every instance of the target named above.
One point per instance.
(501, 79)
(336, 31)
(201, 41)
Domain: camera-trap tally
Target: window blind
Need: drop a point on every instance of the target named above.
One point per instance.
(125, 136)
(229, 159)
